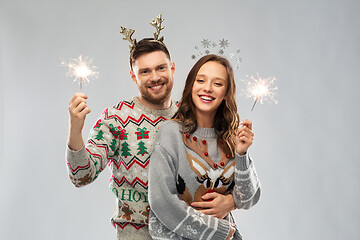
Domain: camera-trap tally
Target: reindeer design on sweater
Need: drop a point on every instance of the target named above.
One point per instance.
(212, 177)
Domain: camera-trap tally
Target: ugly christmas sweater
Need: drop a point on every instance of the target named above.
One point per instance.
(122, 138)
(183, 168)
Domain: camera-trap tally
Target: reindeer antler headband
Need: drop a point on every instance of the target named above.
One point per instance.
(157, 23)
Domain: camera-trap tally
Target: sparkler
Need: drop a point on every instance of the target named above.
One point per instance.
(261, 89)
(81, 69)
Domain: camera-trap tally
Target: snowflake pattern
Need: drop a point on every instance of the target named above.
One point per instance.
(159, 231)
(206, 43)
(224, 43)
(191, 230)
(208, 47)
(198, 217)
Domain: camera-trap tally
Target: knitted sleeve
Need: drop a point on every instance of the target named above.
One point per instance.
(85, 165)
(170, 216)
(247, 186)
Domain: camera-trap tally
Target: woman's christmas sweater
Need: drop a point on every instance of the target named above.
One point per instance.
(122, 138)
(185, 167)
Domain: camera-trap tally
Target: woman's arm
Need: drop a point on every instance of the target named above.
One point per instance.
(247, 185)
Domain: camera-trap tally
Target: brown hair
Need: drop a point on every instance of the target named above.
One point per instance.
(226, 121)
(147, 45)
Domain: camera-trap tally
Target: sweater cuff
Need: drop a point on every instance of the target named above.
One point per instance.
(76, 158)
(242, 161)
(223, 230)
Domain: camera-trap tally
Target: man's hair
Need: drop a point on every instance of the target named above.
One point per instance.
(147, 45)
(226, 120)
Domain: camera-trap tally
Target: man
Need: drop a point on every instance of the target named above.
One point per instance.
(123, 137)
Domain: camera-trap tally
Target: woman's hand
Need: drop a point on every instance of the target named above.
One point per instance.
(244, 137)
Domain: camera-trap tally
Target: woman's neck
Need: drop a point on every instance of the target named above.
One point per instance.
(205, 120)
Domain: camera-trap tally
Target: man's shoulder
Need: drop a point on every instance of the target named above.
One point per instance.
(134, 107)
(123, 104)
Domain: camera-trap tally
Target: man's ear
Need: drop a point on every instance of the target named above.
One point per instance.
(133, 76)
(173, 67)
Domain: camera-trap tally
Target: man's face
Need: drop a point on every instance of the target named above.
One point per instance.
(153, 74)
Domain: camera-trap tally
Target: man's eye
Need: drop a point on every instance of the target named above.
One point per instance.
(162, 68)
(144, 72)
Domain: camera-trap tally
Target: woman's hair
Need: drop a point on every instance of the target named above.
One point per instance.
(226, 121)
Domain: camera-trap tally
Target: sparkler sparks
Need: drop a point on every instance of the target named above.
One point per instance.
(81, 69)
(261, 89)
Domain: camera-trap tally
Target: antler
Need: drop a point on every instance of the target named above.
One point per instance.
(158, 26)
(128, 36)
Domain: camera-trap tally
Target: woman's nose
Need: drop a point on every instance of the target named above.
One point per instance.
(208, 87)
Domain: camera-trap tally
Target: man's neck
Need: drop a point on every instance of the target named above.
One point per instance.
(157, 106)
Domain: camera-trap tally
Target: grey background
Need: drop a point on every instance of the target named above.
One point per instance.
(306, 147)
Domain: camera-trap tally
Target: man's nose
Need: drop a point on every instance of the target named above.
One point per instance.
(154, 75)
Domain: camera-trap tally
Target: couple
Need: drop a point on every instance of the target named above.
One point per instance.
(200, 169)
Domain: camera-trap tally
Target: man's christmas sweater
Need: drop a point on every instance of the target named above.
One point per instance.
(183, 168)
(122, 138)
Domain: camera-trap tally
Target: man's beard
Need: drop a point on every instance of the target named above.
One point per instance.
(157, 98)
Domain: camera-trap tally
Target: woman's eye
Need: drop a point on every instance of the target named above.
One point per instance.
(218, 84)
(200, 80)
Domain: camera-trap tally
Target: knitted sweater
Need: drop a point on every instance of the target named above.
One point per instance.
(182, 169)
(122, 138)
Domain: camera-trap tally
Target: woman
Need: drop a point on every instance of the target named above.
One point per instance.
(201, 150)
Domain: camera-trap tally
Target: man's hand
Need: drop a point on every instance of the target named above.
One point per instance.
(244, 137)
(78, 111)
(216, 204)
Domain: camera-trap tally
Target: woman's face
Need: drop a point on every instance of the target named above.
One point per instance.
(209, 89)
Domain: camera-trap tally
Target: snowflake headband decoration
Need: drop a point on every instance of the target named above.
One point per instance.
(157, 23)
(211, 47)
